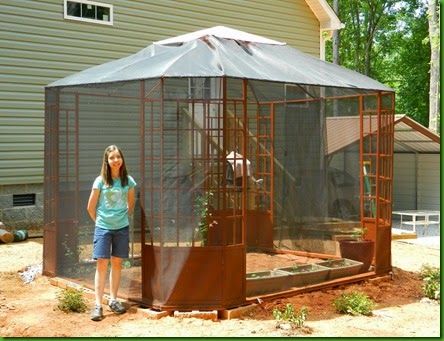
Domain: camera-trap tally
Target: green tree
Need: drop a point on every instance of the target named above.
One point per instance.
(387, 40)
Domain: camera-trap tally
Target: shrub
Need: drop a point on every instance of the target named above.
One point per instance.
(71, 299)
(288, 314)
(354, 303)
(431, 281)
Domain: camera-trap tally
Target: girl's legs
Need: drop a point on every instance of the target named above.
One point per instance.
(114, 276)
(100, 279)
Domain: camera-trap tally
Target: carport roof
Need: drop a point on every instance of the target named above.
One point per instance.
(222, 51)
(410, 136)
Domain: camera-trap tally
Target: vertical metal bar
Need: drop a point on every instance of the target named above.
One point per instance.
(378, 161)
(162, 94)
(244, 160)
(225, 135)
(271, 177)
(193, 160)
(142, 161)
(178, 189)
(76, 158)
(392, 141)
(151, 174)
(361, 157)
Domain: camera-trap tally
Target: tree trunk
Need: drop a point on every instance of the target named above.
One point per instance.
(336, 36)
(434, 66)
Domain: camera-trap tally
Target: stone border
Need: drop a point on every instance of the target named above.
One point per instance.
(213, 315)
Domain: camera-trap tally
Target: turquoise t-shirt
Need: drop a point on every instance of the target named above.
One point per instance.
(112, 208)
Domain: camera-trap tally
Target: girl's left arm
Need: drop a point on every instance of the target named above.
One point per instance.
(131, 200)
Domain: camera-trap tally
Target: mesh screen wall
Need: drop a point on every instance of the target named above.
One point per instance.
(226, 170)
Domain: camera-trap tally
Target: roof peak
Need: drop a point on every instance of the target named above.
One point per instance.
(220, 32)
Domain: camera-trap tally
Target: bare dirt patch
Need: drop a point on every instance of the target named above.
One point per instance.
(30, 309)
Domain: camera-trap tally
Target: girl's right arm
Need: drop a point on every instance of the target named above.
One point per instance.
(92, 203)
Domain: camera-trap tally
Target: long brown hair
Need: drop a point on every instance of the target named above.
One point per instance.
(106, 169)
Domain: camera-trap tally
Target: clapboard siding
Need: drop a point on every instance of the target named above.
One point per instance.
(39, 46)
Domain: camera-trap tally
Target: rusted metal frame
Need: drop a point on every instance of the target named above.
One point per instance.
(318, 99)
(178, 189)
(66, 145)
(313, 287)
(392, 147)
(76, 159)
(244, 162)
(257, 168)
(151, 172)
(378, 164)
(142, 159)
(271, 177)
(193, 158)
(306, 254)
(224, 140)
(51, 184)
(162, 108)
(94, 94)
(361, 158)
(221, 167)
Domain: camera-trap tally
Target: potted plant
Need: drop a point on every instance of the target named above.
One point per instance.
(358, 248)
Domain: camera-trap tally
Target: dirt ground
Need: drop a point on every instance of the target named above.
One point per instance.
(30, 309)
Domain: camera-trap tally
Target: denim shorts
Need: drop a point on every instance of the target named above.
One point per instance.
(111, 242)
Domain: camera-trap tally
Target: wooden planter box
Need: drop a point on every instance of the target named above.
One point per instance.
(269, 281)
(342, 267)
(306, 274)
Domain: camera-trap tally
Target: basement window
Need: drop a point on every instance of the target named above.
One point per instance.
(88, 11)
(23, 199)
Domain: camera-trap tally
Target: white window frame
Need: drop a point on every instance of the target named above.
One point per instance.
(93, 21)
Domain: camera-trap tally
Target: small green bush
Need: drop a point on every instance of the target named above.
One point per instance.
(71, 299)
(431, 281)
(354, 303)
(288, 314)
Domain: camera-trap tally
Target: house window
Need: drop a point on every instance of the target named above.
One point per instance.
(88, 11)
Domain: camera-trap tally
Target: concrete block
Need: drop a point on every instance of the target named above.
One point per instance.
(237, 312)
(54, 281)
(204, 315)
(154, 314)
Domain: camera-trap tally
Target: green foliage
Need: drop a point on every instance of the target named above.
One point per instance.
(431, 281)
(202, 210)
(359, 233)
(288, 314)
(388, 40)
(354, 303)
(71, 299)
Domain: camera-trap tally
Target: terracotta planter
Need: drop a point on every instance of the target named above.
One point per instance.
(359, 250)
(306, 274)
(341, 267)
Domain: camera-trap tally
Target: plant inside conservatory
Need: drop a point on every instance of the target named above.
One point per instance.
(358, 248)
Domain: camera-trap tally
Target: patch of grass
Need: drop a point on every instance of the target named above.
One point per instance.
(71, 300)
(354, 303)
(288, 314)
(431, 281)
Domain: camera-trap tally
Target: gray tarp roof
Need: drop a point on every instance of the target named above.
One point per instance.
(211, 53)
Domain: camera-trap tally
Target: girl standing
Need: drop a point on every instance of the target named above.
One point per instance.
(110, 203)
